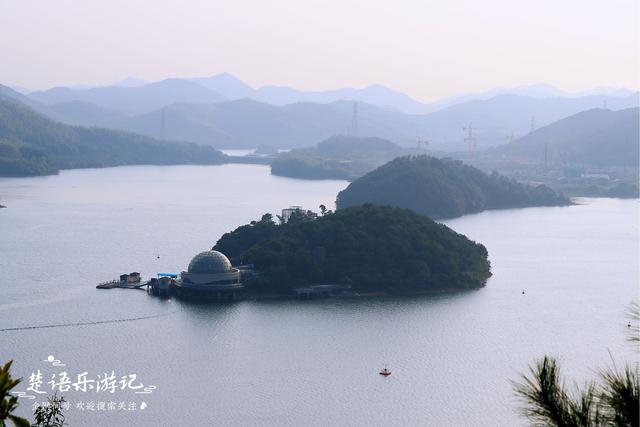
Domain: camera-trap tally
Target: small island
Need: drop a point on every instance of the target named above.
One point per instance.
(443, 188)
(369, 249)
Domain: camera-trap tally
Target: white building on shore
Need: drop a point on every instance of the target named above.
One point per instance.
(210, 274)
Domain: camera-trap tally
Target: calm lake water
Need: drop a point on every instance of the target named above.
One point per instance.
(295, 363)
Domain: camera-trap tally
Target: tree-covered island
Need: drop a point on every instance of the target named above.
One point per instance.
(371, 248)
(443, 188)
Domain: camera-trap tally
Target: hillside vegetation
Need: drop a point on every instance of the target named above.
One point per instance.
(370, 247)
(442, 189)
(595, 137)
(338, 157)
(31, 144)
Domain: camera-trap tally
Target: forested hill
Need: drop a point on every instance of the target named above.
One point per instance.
(338, 157)
(595, 137)
(442, 189)
(369, 247)
(31, 144)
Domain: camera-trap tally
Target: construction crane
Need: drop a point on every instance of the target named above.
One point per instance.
(470, 138)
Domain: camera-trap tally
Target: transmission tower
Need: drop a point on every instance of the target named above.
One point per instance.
(470, 138)
(421, 143)
(354, 120)
(533, 124)
(511, 137)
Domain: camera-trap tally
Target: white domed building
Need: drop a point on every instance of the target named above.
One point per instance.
(210, 274)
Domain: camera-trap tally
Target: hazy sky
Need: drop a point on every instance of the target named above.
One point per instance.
(427, 48)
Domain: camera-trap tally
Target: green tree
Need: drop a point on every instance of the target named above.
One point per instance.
(612, 402)
(9, 403)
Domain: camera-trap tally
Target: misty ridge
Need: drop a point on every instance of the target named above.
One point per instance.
(573, 143)
(320, 213)
(224, 112)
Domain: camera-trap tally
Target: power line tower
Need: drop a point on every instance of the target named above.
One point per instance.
(511, 137)
(354, 121)
(421, 144)
(470, 138)
(533, 124)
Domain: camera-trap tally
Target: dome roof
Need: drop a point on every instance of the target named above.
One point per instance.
(209, 262)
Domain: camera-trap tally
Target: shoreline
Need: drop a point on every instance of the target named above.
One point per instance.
(353, 295)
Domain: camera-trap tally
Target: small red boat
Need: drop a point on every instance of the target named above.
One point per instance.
(385, 372)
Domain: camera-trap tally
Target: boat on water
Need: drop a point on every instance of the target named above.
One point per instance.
(108, 285)
(127, 281)
(385, 372)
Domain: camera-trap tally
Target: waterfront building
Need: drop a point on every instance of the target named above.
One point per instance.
(211, 275)
(130, 278)
(287, 213)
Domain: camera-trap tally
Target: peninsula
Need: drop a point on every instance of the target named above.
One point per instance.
(32, 144)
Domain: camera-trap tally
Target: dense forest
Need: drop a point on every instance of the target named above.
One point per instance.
(443, 188)
(338, 157)
(31, 144)
(370, 247)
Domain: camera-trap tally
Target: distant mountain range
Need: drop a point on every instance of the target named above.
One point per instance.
(248, 123)
(595, 137)
(132, 99)
(534, 91)
(224, 112)
(497, 120)
(229, 87)
(575, 132)
(381, 96)
(69, 112)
